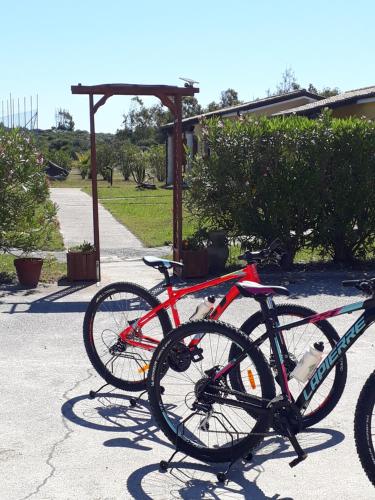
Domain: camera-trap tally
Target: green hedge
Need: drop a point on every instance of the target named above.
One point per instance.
(310, 182)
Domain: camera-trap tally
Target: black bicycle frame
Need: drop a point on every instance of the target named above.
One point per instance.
(274, 333)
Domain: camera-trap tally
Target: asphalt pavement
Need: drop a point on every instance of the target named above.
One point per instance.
(56, 443)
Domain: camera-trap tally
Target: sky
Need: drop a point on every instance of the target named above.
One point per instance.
(243, 44)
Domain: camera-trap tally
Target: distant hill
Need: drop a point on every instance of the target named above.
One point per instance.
(71, 142)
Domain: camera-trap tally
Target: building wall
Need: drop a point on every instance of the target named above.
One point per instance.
(366, 109)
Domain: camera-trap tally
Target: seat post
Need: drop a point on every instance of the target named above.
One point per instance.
(165, 272)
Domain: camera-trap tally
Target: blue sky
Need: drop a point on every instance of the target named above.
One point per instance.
(246, 45)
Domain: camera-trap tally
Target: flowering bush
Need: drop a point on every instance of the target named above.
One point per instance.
(310, 182)
(26, 214)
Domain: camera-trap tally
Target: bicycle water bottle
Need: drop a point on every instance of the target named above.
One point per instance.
(204, 308)
(309, 361)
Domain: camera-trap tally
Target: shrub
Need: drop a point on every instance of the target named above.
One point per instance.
(26, 215)
(83, 163)
(310, 182)
(125, 156)
(156, 158)
(345, 222)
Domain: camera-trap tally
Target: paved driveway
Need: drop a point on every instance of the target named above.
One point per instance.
(58, 444)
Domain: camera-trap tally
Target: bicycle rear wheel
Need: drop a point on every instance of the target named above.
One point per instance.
(364, 427)
(198, 426)
(298, 340)
(110, 311)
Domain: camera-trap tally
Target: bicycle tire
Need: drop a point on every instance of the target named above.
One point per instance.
(340, 371)
(101, 367)
(157, 373)
(364, 416)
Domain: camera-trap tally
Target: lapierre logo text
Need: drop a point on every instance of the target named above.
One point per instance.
(330, 360)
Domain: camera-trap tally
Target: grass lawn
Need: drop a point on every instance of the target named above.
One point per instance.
(146, 213)
(52, 270)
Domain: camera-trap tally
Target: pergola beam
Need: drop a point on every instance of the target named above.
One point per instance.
(170, 96)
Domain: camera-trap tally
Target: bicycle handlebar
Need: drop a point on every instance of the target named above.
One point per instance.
(267, 254)
(365, 285)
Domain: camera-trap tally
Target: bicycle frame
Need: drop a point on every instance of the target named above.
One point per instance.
(274, 332)
(174, 295)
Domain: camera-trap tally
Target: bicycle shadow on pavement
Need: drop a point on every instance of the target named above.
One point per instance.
(112, 412)
(191, 480)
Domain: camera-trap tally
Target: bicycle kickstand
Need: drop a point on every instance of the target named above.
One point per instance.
(301, 455)
(163, 464)
(223, 476)
(134, 401)
(93, 394)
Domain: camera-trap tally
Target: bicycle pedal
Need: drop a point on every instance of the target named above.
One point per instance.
(297, 460)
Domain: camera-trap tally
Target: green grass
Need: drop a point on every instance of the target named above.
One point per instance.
(146, 213)
(52, 270)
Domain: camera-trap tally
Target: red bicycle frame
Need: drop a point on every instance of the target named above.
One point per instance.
(249, 273)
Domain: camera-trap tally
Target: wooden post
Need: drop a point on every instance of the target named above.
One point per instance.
(94, 184)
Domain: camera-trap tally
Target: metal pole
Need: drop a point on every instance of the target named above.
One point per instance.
(177, 181)
(24, 109)
(95, 210)
(37, 111)
(18, 111)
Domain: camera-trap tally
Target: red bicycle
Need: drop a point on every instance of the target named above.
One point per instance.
(124, 324)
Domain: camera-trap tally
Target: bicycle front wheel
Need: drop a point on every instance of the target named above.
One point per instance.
(364, 427)
(181, 403)
(298, 340)
(111, 310)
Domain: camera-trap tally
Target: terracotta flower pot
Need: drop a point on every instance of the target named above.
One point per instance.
(28, 270)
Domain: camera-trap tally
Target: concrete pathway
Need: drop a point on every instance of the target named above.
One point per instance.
(56, 443)
(76, 225)
(75, 216)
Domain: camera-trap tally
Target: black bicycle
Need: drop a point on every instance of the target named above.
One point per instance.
(197, 396)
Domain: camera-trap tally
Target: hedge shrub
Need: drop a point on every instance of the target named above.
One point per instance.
(310, 182)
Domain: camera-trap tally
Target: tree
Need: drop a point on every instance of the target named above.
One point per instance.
(288, 82)
(142, 124)
(104, 160)
(229, 98)
(191, 107)
(325, 91)
(64, 120)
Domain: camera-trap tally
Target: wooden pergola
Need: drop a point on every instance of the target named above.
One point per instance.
(171, 97)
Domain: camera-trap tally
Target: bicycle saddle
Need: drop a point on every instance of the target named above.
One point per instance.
(253, 289)
(160, 263)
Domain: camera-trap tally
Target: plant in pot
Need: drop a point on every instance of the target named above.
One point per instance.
(194, 255)
(26, 214)
(31, 235)
(81, 262)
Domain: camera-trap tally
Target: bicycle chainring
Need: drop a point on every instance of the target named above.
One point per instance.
(179, 358)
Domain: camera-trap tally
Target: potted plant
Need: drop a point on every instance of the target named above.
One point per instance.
(81, 262)
(31, 235)
(194, 255)
(26, 214)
